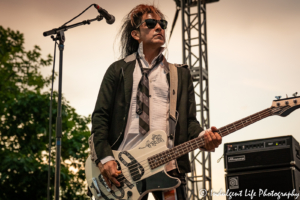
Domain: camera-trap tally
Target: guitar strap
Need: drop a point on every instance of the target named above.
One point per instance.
(171, 195)
(173, 100)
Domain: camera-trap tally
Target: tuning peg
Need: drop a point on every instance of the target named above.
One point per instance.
(295, 94)
(277, 97)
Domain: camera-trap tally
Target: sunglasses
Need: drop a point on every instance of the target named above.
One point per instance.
(151, 23)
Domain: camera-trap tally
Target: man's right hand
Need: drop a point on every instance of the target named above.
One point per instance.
(109, 172)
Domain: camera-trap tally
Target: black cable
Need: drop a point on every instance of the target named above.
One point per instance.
(50, 123)
(174, 21)
(77, 15)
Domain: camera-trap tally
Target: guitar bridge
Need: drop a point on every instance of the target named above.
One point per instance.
(102, 180)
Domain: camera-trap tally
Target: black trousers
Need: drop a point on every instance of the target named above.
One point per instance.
(180, 191)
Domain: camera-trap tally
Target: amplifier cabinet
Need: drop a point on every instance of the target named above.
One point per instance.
(281, 183)
(262, 153)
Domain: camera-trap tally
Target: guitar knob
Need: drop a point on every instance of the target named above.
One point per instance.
(295, 101)
(295, 94)
(277, 97)
(129, 194)
(287, 103)
(278, 104)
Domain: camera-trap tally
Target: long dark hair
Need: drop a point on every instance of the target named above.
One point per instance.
(128, 44)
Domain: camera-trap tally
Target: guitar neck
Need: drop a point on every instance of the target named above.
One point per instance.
(184, 148)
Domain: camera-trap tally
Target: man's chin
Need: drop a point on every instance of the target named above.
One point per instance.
(155, 43)
(159, 42)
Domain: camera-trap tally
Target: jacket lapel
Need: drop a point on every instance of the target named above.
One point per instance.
(128, 76)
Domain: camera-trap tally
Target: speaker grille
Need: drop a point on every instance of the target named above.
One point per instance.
(280, 180)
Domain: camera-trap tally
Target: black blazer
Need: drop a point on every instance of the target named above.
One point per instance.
(109, 118)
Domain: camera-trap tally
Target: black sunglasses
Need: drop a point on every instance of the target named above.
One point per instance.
(151, 23)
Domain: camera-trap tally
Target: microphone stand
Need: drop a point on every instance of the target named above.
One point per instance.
(60, 36)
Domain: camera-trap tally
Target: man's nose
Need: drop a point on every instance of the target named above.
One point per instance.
(158, 27)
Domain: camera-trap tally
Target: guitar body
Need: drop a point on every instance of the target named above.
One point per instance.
(138, 178)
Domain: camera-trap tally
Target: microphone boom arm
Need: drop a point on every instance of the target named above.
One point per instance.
(65, 28)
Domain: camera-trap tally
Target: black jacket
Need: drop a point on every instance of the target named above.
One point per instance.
(109, 118)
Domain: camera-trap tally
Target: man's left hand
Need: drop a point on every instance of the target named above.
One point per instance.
(212, 139)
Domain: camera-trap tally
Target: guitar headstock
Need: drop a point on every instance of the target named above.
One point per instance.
(284, 107)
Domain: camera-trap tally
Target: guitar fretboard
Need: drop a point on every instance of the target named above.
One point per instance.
(179, 150)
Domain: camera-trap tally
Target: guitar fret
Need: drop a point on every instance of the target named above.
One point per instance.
(227, 129)
(169, 157)
(188, 148)
(197, 143)
(220, 133)
(256, 118)
(192, 147)
(246, 121)
(194, 144)
(185, 146)
(173, 154)
(176, 151)
(251, 119)
(202, 143)
(239, 125)
(179, 149)
(242, 123)
(160, 158)
(259, 115)
(234, 126)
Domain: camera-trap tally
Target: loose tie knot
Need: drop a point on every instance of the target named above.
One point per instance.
(142, 97)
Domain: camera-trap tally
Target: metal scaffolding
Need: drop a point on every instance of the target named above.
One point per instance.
(194, 48)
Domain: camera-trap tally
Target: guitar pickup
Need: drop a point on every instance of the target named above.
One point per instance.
(102, 180)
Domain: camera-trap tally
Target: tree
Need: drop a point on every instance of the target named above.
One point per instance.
(24, 119)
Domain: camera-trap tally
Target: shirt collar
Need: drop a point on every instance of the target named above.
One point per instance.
(142, 56)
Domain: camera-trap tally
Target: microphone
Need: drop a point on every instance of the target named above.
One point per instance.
(110, 19)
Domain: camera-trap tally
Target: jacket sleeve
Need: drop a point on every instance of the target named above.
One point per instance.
(101, 117)
(194, 128)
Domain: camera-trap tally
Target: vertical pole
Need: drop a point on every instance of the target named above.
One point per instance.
(183, 31)
(58, 119)
(194, 46)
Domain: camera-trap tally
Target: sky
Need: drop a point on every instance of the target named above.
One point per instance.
(253, 56)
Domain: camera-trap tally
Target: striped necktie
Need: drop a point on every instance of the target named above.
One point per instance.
(142, 97)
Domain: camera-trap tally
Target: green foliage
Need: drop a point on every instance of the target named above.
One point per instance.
(24, 121)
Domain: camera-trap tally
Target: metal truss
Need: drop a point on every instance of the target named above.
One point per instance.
(194, 48)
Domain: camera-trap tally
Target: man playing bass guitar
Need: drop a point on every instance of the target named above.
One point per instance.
(134, 99)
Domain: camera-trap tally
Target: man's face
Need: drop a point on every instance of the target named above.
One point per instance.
(151, 37)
